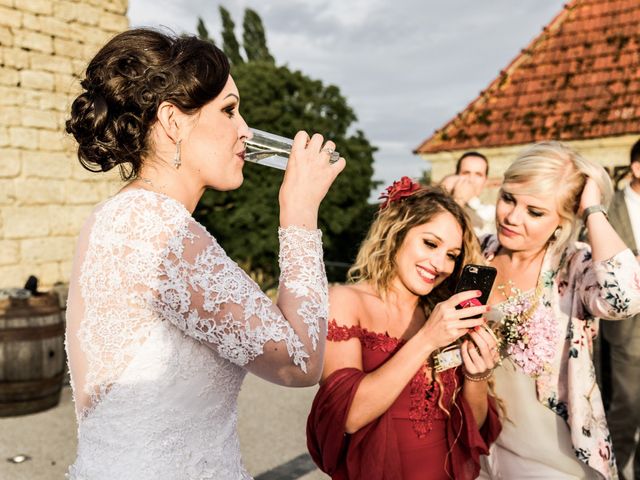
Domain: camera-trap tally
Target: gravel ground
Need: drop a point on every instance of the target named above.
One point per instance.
(269, 440)
(274, 438)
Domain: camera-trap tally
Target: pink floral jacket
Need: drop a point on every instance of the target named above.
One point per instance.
(580, 291)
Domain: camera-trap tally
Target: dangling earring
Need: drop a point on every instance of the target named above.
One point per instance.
(176, 158)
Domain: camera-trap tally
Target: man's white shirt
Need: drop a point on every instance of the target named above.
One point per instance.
(632, 199)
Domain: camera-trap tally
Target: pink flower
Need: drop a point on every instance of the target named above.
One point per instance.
(397, 191)
(528, 332)
(535, 350)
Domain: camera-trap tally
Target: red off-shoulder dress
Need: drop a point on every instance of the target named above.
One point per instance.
(415, 439)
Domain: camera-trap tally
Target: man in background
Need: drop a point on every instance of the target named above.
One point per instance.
(623, 336)
(472, 170)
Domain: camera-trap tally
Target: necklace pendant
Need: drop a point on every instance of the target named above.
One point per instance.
(146, 181)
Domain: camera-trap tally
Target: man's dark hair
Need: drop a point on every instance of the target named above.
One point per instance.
(635, 152)
(475, 154)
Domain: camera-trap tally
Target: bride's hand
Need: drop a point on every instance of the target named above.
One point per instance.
(307, 179)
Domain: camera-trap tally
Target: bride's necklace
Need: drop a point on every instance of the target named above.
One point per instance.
(147, 181)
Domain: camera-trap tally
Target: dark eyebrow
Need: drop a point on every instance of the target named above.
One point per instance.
(232, 95)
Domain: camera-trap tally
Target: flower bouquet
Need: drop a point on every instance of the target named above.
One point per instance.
(527, 331)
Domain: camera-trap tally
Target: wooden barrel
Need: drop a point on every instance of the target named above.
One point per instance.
(31, 354)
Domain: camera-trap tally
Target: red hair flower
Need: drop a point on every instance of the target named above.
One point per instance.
(397, 191)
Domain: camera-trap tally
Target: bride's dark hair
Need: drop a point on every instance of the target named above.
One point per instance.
(124, 85)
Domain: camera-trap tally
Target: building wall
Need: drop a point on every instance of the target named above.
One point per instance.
(611, 152)
(44, 193)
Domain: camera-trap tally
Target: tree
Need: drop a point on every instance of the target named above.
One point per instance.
(203, 33)
(283, 101)
(254, 39)
(426, 177)
(230, 44)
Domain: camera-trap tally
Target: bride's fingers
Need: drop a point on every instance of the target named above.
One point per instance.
(300, 141)
(328, 147)
(315, 143)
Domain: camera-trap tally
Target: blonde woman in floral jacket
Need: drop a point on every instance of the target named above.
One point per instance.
(548, 296)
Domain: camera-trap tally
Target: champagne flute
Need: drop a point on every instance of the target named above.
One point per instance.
(272, 150)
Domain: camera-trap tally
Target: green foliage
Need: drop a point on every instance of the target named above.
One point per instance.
(203, 33)
(230, 44)
(245, 221)
(254, 39)
(426, 177)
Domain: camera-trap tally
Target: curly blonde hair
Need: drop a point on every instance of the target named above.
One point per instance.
(375, 262)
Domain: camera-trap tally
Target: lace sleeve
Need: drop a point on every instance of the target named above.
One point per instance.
(205, 294)
(303, 282)
(142, 259)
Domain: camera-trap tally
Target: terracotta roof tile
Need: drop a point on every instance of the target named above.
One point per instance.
(580, 78)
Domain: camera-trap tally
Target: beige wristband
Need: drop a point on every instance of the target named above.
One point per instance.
(479, 377)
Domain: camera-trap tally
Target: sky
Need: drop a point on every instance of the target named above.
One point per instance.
(406, 67)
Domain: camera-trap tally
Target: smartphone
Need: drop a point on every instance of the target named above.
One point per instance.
(476, 277)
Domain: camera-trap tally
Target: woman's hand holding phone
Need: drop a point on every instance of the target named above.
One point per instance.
(479, 353)
(480, 350)
(476, 277)
(447, 323)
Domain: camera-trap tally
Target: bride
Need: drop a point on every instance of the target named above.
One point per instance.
(162, 326)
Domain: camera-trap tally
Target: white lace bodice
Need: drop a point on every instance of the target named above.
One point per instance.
(161, 328)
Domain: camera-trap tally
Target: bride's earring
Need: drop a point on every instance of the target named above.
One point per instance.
(176, 158)
(556, 233)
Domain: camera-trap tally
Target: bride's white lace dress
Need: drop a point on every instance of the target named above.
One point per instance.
(162, 327)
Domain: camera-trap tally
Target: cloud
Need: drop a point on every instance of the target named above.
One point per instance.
(406, 66)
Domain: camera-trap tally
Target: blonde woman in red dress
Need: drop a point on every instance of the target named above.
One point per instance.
(382, 411)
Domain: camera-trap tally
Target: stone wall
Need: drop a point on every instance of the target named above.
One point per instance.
(44, 193)
(611, 152)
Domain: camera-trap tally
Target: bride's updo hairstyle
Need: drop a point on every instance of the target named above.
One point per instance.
(124, 85)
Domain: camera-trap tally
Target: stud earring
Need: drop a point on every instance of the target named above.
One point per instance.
(556, 233)
(176, 158)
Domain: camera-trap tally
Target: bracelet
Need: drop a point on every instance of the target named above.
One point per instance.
(479, 377)
(593, 209)
(446, 358)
